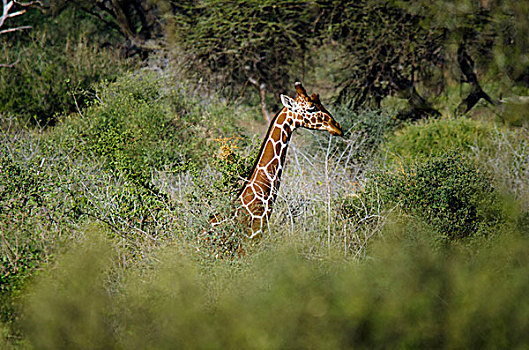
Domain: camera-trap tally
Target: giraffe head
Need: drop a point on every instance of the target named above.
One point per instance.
(308, 112)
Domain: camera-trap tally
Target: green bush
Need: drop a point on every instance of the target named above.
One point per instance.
(140, 124)
(508, 160)
(74, 302)
(47, 190)
(45, 194)
(363, 207)
(32, 204)
(142, 129)
(101, 165)
(448, 192)
(373, 128)
(23, 198)
(432, 138)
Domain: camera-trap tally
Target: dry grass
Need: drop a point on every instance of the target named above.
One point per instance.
(508, 160)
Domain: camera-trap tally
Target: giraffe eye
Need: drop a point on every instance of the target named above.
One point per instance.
(312, 109)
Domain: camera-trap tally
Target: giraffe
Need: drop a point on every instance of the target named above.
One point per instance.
(256, 197)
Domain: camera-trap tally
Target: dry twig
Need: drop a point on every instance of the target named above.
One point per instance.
(8, 6)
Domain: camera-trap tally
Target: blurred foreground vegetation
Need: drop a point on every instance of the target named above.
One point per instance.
(125, 125)
(406, 295)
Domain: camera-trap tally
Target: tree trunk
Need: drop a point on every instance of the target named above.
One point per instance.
(466, 64)
(262, 93)
(419, 106)
(123, 20)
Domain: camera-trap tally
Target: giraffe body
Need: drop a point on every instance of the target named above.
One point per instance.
(256, 197)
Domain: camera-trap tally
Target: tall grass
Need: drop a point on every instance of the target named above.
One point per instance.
(320, 180)
(508, 159)
(313, 206)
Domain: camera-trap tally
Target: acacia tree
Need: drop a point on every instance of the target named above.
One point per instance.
(52, 68)
(385, 51)
(490, 36)
(410, 49)
(261, 43)
(392, 46)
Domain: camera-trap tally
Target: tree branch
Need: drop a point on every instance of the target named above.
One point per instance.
(5, 11)
(9, 30)
(466, 64)
(101, 18)
(10, 65)
(420, 107)
(30, 3)
(123, 20)
(6, 7)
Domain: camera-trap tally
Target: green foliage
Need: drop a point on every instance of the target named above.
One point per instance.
(29, 209)
(495, 32)
(515, 113)
(174, 296)
(233, 43)
(136, 20)
(139, 128)
(141, 124)
(55, 65)
(233, 167)
(448, 192)
(22, 195)
(214, 198)
(408, 50)
(406, 295)
(432, 138)
(366, 131)
(140, 158)
(102, 165)
(510, 52)
(44, 194)
(363, 210)
(372, 127)
(508, 159)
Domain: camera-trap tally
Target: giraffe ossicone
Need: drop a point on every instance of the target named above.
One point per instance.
(257, 195)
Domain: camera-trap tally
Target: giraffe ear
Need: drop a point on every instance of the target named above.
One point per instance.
(288, 102)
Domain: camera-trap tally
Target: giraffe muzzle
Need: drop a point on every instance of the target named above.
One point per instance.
(335, 129)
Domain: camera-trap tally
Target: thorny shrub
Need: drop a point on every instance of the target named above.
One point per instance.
(449, 192)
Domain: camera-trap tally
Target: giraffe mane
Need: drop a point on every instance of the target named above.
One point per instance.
(315, 98)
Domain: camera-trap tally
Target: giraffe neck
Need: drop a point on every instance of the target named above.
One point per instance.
(260, 190)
